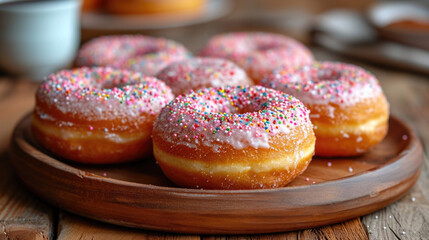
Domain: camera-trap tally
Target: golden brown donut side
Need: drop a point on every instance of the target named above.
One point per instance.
(98, 115)
(347, 105)
(95, 143)
(230, 168)
(234, 137)
(357, 128)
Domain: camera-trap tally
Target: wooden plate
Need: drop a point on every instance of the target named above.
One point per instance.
(138, 194)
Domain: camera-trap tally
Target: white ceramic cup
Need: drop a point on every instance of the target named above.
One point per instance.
(38, 37)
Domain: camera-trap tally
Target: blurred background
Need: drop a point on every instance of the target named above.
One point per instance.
(389, 38)
(390, 33)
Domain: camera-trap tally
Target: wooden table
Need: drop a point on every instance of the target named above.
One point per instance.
(23, 216)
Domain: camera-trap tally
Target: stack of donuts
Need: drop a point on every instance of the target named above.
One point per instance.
(249, 111)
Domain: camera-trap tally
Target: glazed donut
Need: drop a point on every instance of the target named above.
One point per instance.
(233, 138)
(348, 108)
(98, 115)
(258, 53)
(196, 73)
(147, 55)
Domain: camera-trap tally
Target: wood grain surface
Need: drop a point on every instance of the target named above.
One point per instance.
(346, 230)
(71, 226)
(21, 215)
(408, 95)
(138, 195)
(75, 227)
(407, 92)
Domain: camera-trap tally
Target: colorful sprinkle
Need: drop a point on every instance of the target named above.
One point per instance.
(258, 53)
(147, 55)
(103, 94)
(323, 82)
(196, 73)
(239, 116)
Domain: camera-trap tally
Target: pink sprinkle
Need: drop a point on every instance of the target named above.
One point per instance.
(313, 182)
(312, 79)
(307, 179)
(104, 174)
(329, 164)
(91, 128)
(404, 137)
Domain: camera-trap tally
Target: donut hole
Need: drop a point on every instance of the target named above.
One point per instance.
(112, 82)
(112, 85)
(146, 51)
(263, 47)
(251, 47)
(246, 109)
(327, 75)
(239, 108)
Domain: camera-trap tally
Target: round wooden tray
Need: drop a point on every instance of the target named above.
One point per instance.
(138, 195)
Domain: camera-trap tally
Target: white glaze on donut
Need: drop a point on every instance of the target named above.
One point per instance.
(102, 94)
(236, 116)
(196, 73)
(147, 55)
(325, 82)
(258, 53)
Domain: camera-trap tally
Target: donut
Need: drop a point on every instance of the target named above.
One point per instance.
(348, 108)
(233, 138)
(147, 55)
(258, 53)
(196, 73)
(133, 7)
(98, 115)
